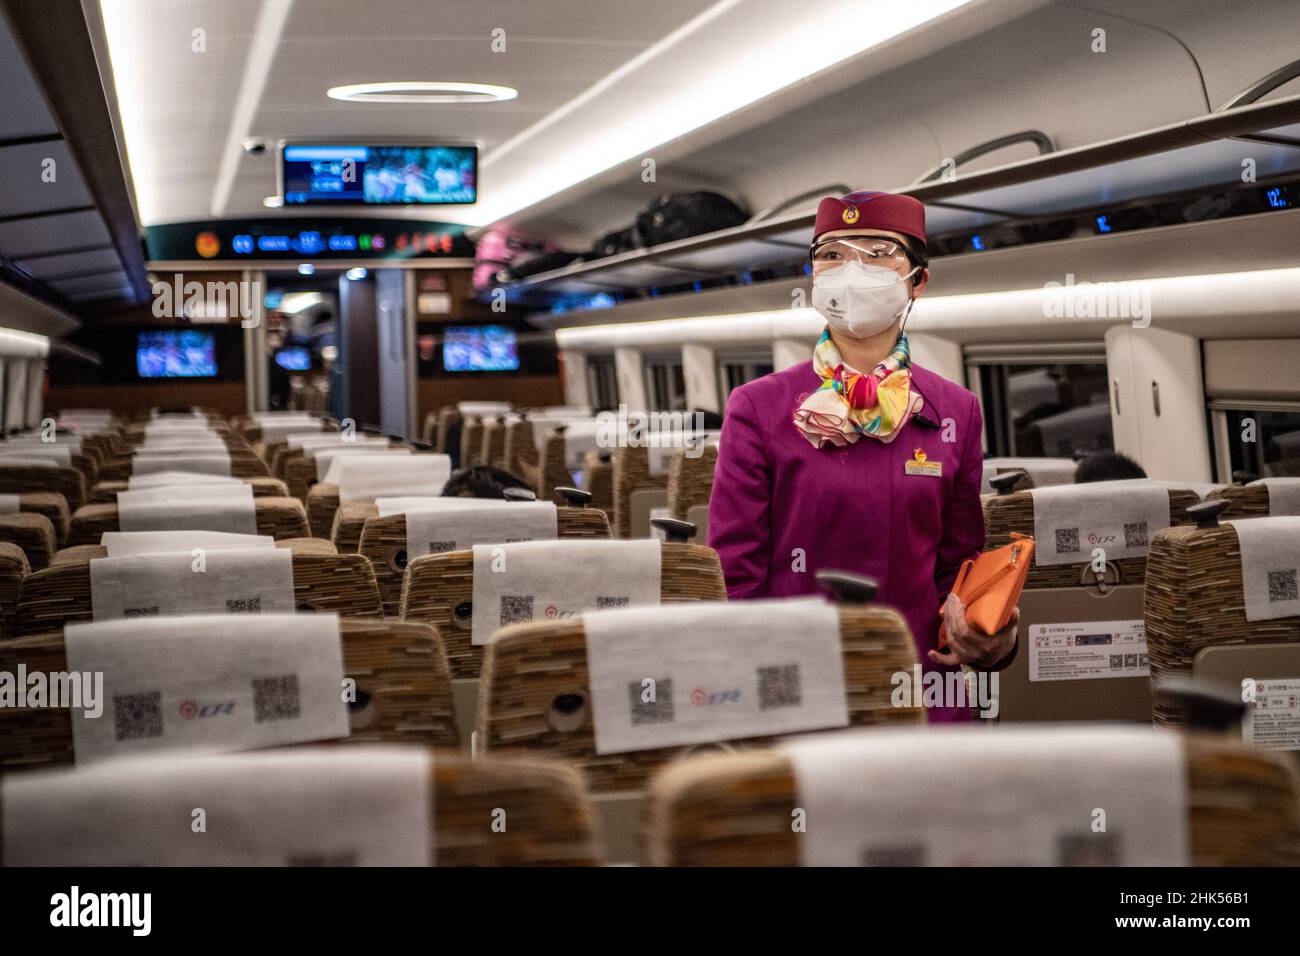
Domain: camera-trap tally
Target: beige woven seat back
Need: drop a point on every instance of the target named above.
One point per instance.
(439, 590)
(1196, 616)
(53, 506)
(554, 472)
(636, 492)
(244, 463)
(535, 694)
(471, 442)
(14, 568)
(492, 445)
(429, 430)
(520, 451)
(449, 420)
(28, 479)
(281, 518)
(323, 514)
(1245, 501)
(598, 480)
(690, 481)
(105, 492)
(736, 809)
(383, 543)
(59, 595)
(548, 818)
(1063, 681)
(403, 692)
(33, 533)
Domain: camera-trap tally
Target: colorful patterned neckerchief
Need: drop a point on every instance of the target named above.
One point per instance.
(849, 404)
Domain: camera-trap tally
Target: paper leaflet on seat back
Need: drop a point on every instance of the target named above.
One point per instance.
(208, 683)
(224, 580)
(314, 806)
(545, 580)
(709, 671)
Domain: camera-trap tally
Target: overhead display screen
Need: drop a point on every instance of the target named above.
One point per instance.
(379, 175)
(176, 354)
(482, 348)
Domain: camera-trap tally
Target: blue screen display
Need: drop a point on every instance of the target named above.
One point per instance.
(380, 175)
(293, 360)
(181, 354)
(480, 348)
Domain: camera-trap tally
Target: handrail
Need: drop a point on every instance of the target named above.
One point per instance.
(795, 200)
(1262, 87)
(1037, 137)
(1242, 120)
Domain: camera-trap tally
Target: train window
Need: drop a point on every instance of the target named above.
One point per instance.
(733, 374)
(1050, 409)
(1265, 442)
(665, 385)
(602, 381)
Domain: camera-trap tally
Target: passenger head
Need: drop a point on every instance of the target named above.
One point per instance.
(481, 481)
(1107, 466)
(869, 262)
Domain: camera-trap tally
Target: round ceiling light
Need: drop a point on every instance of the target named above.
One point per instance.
(422, 92)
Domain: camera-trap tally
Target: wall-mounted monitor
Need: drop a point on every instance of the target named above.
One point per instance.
(176, 354)
(294, 359)
(479, 348)
(379, 175)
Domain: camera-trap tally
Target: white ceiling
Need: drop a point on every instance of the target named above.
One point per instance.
(660, 70)
(838, 97)
(186, 102)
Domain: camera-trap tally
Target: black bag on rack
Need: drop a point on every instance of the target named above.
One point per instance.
(612, 243)
(531, 265)
(676, 216)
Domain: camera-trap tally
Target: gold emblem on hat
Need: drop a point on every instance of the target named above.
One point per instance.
(850, 215)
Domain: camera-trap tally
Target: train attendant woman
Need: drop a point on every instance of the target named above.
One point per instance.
(860, 460)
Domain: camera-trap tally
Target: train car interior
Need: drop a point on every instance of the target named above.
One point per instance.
(681, 434)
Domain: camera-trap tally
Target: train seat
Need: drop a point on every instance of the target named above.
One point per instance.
(551, 578)
(192, 509)
(43, 476)
(1082, 653)
(915, 798)
(307, 806)
(105, 492)
(624, 692)
(385, 540)
(361, 479)
(65, 592)
(14, 568)
(51, 504)
(33, 533)
(1039, 472)
(1221, 607)
(356, 681)
(1262, 498)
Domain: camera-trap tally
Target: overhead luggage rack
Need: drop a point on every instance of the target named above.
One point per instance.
(1201, 150)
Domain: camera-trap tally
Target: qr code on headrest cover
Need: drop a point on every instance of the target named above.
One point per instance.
(651, 705)
(516, 608)
(1135, 535)
(136, 716)
(1282, 586)
(1067, 540)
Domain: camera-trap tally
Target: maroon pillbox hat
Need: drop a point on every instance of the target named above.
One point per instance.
(866, 211)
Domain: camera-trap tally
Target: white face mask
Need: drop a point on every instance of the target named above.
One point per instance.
(859, 300)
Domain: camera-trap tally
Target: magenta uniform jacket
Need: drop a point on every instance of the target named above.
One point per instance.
(777, 498)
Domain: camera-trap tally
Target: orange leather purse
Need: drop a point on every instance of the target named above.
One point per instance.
(990, 585)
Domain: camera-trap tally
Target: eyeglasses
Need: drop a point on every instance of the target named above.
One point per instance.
(869, 250)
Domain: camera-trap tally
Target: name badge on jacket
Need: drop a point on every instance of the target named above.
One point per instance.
(920, 466)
